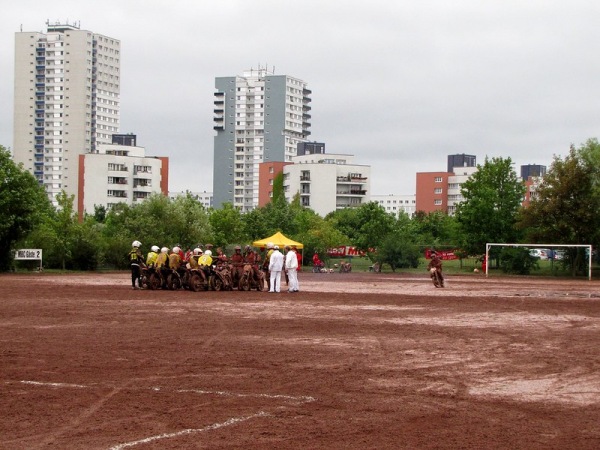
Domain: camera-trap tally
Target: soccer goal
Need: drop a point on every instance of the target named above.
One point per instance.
(554, 248)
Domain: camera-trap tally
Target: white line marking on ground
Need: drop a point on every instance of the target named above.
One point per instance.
(40, 383)
(303, 398)
(214, 426)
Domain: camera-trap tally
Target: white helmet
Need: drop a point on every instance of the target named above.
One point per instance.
(155, 248)
(176, 249)
(197, 251)
(136, 244)
(269, 245)
(208, 252)
(164, 250)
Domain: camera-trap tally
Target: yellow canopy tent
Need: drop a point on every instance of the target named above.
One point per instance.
(277, 239)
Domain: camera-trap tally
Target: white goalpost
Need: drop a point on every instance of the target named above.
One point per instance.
(488, 246)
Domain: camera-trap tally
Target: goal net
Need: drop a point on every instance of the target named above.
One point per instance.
(545, 251)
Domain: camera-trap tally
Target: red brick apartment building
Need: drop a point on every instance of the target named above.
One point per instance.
(267, 172)
(432, 191)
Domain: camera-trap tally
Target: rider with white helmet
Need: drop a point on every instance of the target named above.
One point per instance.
(136, 259)
(152, 256)
(175, 259)
(163, 257)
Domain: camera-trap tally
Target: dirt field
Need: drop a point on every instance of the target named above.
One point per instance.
(353, 361)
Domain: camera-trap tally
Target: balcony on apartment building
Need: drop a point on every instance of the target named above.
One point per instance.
(352, 192)
(352, 178)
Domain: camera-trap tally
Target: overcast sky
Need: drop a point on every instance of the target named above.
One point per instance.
(398, 84)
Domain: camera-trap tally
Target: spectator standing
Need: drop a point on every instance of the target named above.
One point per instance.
(291, 267)
(299, 256)
(265, 264)
(275, 268)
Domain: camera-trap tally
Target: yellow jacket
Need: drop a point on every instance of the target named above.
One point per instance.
(161, 260)
(151, 259)
(205, 260)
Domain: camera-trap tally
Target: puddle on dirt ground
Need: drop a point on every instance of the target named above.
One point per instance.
(503, 320)
(560, 389)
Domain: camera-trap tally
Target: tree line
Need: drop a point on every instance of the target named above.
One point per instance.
(565, 210)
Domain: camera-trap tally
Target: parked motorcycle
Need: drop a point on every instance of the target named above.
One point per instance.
(251, 278)
(345, 267)
(194, 280)
(221, 279)
(151, 278)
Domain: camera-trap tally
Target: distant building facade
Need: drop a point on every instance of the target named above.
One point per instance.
(455, 182)
(267, 173)
(532, 170)
(327, 182)
(441, 191)
(461, 160)
(432, 191)
(532, 175)
(119, 174)
(67, 102)
(259, 117)
(204, 198)
(310, 148)
(395, 203)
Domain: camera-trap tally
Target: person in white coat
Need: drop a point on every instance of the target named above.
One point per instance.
(275, 268)
(291, 267)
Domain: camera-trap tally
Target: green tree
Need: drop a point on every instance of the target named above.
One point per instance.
(155, 221)
(278, 192)
(189, 222)
(566, 209)
(64, 226)
(227, 225)
(67, 243)
(374, 225)
(255, 225)
(23, 203)
(492, 200)
(436, 229)
(317, 235)
(347, 222)
(399, 250)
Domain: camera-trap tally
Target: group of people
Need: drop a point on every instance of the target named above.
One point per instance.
(276, 263)
(197, 258)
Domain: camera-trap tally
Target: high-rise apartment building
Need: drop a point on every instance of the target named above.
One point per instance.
(259, 117)
(67, 85)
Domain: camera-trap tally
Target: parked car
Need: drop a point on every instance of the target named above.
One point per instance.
(541, 253)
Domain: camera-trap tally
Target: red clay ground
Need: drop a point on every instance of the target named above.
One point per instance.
(352, 361)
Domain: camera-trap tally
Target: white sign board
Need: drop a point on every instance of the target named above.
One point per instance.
(29, 254)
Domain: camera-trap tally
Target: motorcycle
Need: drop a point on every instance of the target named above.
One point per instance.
(151, 278)
(194, 280)
(251, 279)
(345, 267)
(221, 278)
(436, 278)
(173, 280)
(319, 268)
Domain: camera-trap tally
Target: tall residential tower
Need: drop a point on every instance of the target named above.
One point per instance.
(67, 84)
(259, 117)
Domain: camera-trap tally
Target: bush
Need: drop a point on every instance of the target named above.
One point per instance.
(517, 260)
